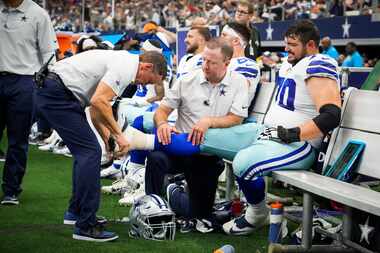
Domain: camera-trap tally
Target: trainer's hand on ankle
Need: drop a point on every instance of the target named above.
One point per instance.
(123, 146)
(164, 132)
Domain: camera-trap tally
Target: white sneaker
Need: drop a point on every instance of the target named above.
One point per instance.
(112, 171)
(57, 147)
(117, 187)
(135, 171)
(54, 135)
(136, 179)
(62, 151)
(131, 195)
(240, 225)
(50, 146)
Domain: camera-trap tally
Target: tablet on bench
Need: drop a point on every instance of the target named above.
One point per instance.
(347, 161)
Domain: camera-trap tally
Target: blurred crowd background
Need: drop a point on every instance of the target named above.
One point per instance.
(120, 16)
(100, 15)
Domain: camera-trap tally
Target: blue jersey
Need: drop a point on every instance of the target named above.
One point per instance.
(250, 70)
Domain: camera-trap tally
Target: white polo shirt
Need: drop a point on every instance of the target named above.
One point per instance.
(82, 73)
(196, 98)
(27, 38)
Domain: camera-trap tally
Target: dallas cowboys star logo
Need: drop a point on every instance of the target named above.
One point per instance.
(24, 18)
(346, 29)
(222, 92)
(366, 230)
(269, 31)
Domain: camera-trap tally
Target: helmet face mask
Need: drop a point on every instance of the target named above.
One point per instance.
(151, 218)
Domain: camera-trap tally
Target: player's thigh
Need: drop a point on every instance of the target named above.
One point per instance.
(265, 156)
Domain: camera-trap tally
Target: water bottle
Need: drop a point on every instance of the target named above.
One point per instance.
(275, 219)
(225, 249)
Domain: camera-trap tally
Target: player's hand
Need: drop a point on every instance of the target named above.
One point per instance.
(281, 134)
(197, 133)
(164, 132)
(122, 146)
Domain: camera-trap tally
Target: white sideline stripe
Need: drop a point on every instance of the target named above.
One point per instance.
(85, 238)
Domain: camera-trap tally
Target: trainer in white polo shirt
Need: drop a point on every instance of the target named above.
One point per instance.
(27, 41)
(195, 98)
(81, 76)
(92, 78)
(209, 98)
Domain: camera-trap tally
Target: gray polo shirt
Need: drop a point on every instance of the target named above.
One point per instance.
(82, 72)
(27, 38)
(195, 98)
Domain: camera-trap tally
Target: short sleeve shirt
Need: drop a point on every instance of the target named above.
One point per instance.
(27, 38)
(82, 73)
(195, 98)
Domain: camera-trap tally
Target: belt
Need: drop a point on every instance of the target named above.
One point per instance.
(53, 76)
(6, 73)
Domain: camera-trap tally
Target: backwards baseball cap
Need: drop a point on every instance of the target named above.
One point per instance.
(150, 26)
(89, 43)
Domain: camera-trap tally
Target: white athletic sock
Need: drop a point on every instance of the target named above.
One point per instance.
(139, 140)
(255, 213)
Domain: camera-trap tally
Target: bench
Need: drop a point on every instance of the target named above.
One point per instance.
(360, 121)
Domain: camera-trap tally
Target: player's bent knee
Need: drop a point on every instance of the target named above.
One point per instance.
(241, 162)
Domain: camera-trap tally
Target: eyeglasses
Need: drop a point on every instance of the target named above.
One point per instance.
(242, 12)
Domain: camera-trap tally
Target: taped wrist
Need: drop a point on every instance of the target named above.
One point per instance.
(289, 135)
(328, 118)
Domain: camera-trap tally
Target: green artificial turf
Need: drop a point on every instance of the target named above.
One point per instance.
(36, 224)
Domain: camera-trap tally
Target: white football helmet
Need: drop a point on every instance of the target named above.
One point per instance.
(151, 218)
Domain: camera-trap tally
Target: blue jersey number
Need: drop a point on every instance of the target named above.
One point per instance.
(286, 93)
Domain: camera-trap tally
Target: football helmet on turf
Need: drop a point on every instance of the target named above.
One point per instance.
(151, 218)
